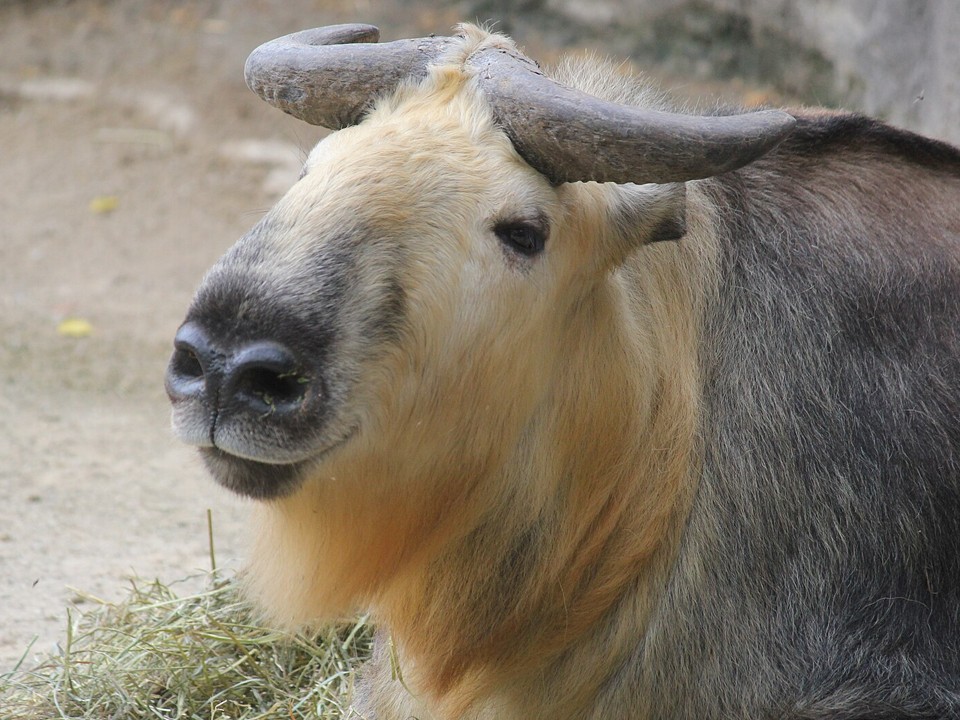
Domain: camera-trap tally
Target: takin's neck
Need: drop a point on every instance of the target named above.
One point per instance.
(548, 576)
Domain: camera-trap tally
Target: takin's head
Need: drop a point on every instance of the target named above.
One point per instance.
(407, 301)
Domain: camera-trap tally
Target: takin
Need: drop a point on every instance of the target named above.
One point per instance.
(599, 409)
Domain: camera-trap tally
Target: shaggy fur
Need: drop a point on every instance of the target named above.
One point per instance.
(825, 538)
(716, 478)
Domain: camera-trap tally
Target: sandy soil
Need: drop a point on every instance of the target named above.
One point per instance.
(139, 104)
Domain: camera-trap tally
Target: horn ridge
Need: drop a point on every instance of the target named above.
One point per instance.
(571, 136)
(329, 76)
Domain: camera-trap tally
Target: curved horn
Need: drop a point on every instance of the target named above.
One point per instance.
(571, 136)
(329, 76)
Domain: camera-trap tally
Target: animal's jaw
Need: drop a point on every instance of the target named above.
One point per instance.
(258, 480)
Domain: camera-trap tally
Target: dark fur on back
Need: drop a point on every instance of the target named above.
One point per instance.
(827, 132)
(820, 573)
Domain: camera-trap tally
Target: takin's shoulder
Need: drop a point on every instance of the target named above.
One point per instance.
(871, 187)
(823, 133)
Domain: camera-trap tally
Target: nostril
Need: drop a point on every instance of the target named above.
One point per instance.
(274, 389)
(186, 364)
(193, 364)
(266, 377)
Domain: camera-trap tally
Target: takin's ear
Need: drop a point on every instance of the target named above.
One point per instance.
(642, 214)
(612, 220)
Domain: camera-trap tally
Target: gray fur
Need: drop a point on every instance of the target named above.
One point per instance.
(820, 572)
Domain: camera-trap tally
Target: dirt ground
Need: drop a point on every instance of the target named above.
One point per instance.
(131, 156)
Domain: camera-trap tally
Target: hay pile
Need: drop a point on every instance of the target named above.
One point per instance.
(155, 655)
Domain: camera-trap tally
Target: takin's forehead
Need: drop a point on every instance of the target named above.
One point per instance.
(426, 145)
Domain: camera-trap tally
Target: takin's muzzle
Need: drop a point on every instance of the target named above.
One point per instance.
(225, 394)
(249, 389)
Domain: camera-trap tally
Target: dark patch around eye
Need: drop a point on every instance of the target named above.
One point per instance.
(525, 237)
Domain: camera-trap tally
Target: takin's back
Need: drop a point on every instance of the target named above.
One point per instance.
(820, 570)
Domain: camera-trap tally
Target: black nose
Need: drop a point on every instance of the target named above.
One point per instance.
(262, 376)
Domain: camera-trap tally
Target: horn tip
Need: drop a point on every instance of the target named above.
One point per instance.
(778, 121)
(346, 34)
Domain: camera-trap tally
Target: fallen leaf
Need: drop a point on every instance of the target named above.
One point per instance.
(75, 328)
(103, 204)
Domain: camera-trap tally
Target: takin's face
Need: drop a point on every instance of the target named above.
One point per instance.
(407, 297)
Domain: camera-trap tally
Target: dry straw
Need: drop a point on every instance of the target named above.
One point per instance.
(155, 655)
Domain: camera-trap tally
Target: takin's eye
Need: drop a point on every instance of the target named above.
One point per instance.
(522, 236)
